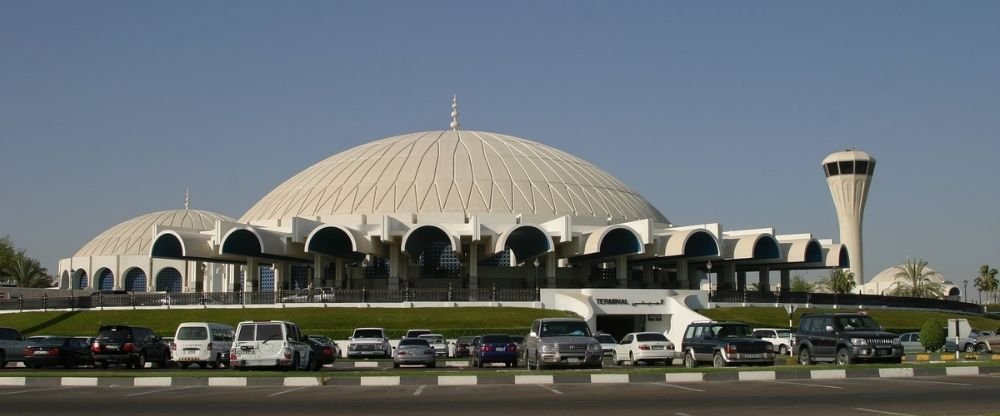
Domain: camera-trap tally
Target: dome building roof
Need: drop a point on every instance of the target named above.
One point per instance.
(133, 237)
(454, 171)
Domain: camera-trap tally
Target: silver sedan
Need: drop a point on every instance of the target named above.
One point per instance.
(414, 351)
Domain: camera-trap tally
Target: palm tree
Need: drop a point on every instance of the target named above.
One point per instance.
(798, 284)
(987, 282)
(914, 279)
(28, 272)
(840, 281)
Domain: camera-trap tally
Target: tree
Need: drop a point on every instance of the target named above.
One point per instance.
(798, 284)
(840, 281)
(8, 253)
(932, 334)
(28, 272)
(914, 279)
(987, 282)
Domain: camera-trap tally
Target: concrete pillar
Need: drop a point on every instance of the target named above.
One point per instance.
(683, 275)
(550, 270)
(728, 277)
(621, 272)
(252, 274)
(786, 280)
(741, 281)
(317, 269)
(338, 273)
(473, 266)
(647, 276)
(279, 275)
(764, 278)
(397, 267)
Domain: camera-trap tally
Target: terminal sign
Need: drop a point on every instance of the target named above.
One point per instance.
(611, 301)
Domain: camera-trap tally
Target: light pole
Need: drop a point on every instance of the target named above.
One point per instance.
(709, 267)
(536, 274)
(965, 287)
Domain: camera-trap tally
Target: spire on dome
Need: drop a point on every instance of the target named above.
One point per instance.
(454, 112)
(187, 198)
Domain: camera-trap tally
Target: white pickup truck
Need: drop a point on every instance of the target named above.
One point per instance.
(12, 344)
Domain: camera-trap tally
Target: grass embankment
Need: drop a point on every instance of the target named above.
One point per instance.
(333, 322)
(893, 320)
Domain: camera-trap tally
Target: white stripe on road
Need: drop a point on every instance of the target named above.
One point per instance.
(549, 389)
(157, 391)
(683, 377)
(861, 409)
(532, 379)
(10, 393)
(679, 387)
(419, 390)
(457, 380)
(302, 381)
(827, 374)
(681, 414)
(926, 382)
(286, 391)
(807, 384)
(608, 378)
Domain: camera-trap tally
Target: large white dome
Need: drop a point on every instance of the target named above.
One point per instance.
(134, 236)
(454, 171)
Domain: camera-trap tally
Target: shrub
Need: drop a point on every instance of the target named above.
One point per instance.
(933, 334)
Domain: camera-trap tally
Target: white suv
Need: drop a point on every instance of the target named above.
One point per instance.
(369, 342)
(780, 338)
(271, 344)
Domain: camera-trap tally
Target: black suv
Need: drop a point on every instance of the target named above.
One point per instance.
(845, 338)
(724, 343)
(132, 346)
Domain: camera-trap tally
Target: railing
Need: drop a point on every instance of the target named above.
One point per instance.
(208, 299)
(852, 299)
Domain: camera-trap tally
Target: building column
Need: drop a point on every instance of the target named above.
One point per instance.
(473, 266)
(279, 276)
(317, 268)
(550, 270)
(252, 274)
(647, 276)
(727, 280)
(683, 277)
(338, 273)
(764, 275)
(396, 267)
(741, 281)
(786, 281)
(621, 272)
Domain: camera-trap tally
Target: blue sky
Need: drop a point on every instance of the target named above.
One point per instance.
(715, 111)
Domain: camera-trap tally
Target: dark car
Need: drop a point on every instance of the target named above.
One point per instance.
(324, 349)
(724, 344)
(462, 345)
(494, 349)
(68, 352)
(845, 338)
(131, 346)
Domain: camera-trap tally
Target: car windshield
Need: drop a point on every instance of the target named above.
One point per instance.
(413, 342)
(606, 339)
(322, 339)
(433, 338)
(732, 331)
(496, 339)
(853, 323)
(192, 333)
(367, 333)
(33, 341)
(784, 333)
(464, 340)
(113, 332)
(565, 328)
(650, 337)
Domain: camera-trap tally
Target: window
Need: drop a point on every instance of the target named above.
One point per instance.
(192, 333)
(266, 332)
(627, 339)
(650, 338)
(414, 341)
(861, 167)
(246, 333)
(831, 169)
(847, 167)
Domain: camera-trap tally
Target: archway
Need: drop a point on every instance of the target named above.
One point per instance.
(135, 280)
(169, 280)
(82, 281)
(105, 279)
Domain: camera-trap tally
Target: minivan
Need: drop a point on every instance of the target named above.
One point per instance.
(204, 343)
(271, 344)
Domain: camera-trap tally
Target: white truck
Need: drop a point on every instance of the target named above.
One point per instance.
(12, 344)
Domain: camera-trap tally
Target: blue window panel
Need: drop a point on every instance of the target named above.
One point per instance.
(135, 280)
(266, 279)
(107, 280)
(169, 280)
(82, 281)
(300, 277)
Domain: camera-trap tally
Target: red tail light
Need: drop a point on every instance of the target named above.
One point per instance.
(28, 351)
(486, 348)
(210, 346)
(95, 347)
(512, 347)
(129, 347)
(55, 351)
(173, 346)
(328, 351)
(670, 346)
(644, 347)
(730, 348)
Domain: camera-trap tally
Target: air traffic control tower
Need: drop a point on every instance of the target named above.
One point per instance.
(849, 175)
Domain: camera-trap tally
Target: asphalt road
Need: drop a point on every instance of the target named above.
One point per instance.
(973, 395)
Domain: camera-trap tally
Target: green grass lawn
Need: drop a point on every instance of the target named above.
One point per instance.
(898, 321)
(334, 322)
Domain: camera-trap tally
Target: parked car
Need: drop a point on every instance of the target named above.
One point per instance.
(845, 338)
(416, 333)
(438, 342)
(988, 344)
(12, 344)
(68, 352)
(414, 351)
(206, 344)
(779, 337)
(519, 340)
(462, 345)
(968, 344)
(911, 343)
(561, 342)
(271, 344)
(132, 346)
(324, 349)
(608, 343)
(644, 347)
(494, 348)
(724, 344)
(369, 342)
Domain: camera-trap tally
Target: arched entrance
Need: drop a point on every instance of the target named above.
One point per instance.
(82, 281)
(135, 280)
(105, 280)
(168, 280)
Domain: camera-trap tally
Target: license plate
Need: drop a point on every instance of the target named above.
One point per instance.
(190, 350)
(246, 348)
(754, 356)
(111, 347)
(884, 351)
(501, 349)
(41, 353)
(572, 360)
(658, 347)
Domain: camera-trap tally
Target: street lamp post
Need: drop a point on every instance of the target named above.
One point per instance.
(965, 287)
(709, 267)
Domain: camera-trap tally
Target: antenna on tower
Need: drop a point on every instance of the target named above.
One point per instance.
(187, 199)
(454, 112)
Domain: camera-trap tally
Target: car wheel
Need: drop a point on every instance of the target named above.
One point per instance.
(36, 366)
(3, 360)
(432, 365)
(183, 366)
(615, 359)
(689, 361)
(295, 362)
(395, 365)
(314, 364)
(718, 361)
(805, 357)
(982, 347)
(782, 349)
(140, 363)
(843, 357)
(970, 348)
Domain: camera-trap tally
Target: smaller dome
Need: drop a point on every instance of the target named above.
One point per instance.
(886, 279)
(849, 154)
(133, 237)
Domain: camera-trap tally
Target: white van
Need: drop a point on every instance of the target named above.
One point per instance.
(271, 344)
(204, 343)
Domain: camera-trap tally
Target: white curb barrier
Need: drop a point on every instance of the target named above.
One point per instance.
(380, 381)
(152, 381)
(457, 380)
(227, 381)
(828, 374)
(533, 380)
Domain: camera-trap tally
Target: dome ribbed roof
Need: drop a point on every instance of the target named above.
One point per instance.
(455, 171)
(134, 236)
